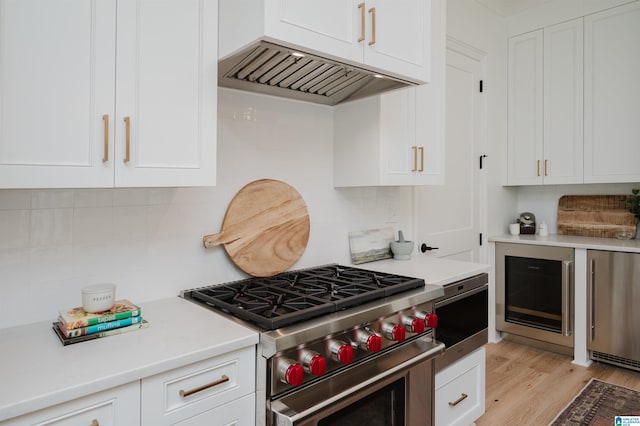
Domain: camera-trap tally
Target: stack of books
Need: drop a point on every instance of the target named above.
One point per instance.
(76, 325)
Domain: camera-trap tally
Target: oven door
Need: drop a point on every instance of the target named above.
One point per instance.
(394, 388)
(463, 321)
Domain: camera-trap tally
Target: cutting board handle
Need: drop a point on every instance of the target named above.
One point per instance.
(220, 238)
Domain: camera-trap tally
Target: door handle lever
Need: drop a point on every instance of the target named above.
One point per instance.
(425, 248)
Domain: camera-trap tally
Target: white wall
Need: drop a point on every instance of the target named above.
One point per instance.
(149, 241)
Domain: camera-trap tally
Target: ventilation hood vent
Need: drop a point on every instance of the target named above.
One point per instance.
(275, 70)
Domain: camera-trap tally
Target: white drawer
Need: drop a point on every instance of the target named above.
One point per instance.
(175, 395)
(117, 406)
(460, 391)
(240, 412)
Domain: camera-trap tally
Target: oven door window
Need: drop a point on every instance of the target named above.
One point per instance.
(383, 408)
(533, 292)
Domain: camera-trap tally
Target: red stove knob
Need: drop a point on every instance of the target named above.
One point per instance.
(313, 362)
(413, 324)
(430, 319)
(369, 341)
(340, 351)
(393, 332)
(290, 372)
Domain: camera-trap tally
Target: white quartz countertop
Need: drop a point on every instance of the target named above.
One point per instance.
(589, 243)
(433, 270)
(37, 371)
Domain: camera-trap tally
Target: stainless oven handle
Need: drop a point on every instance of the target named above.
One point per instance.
(567, 306)
(286, 416)
(591, 300)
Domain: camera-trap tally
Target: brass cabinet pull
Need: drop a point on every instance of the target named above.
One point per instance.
(545, 167)
(372, 11)
(184, 393)
(538, 168)
(127, 147)
(362, 18)
(415, 158)
(421, 149)
(459, 400)
(94, 422)
(105, 156)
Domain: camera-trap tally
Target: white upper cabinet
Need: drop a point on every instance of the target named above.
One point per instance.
(57, 80)
(612, 95)
(91, 99)
(545, 106)
(392, 37)
(524, 92)
(397, 138)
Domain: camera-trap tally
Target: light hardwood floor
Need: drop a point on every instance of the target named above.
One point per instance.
(529, 386)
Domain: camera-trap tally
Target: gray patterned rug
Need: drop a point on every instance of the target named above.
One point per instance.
(597, 404)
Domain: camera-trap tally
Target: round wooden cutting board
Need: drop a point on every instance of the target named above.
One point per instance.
(265, 229)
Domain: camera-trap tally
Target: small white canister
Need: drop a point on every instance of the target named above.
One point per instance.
(543, 230)
(98, 297)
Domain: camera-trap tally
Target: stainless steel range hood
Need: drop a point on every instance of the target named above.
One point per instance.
(268, 68)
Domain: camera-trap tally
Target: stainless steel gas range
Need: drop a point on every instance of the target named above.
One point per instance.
(338, 344)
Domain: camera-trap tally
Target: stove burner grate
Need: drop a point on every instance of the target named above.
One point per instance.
(295, 296)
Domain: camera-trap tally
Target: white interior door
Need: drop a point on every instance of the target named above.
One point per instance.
(450, 217)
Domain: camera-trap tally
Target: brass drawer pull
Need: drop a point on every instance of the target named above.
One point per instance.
(105, 156)
(184, 393)
(127, 121)
(94, 422)
(421, 149)
(415, 158)
(538, 168)
(372, 11)
(362, 18)
(459, 400)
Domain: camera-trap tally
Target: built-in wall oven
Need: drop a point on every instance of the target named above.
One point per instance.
(534, 293)
(463, 314)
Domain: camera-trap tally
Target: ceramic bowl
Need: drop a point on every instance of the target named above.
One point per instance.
(98, 297)
(402, 250)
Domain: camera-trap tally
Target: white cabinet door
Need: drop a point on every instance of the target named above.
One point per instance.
(525, 120)
(113, 407)
(167, 89)
(57, 81)
(563, 103)
(612, 95)
(460, 391)
(399, 154)
(545, 106)
(399, 37)
(330, 26)
(65, 95)
(396, 138)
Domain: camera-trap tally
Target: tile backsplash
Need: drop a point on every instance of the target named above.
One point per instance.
(148, 241)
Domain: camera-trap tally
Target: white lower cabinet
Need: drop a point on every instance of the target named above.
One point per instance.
(194, 391)
(216, 391)
(116, 406)
(460, 391)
